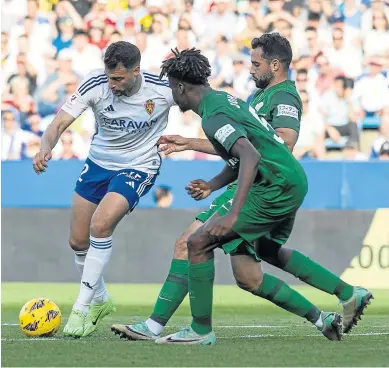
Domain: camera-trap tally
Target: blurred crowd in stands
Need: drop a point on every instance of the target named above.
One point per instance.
(340, 65)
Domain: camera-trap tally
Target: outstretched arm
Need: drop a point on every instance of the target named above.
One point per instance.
(50, 138)
(177, 143)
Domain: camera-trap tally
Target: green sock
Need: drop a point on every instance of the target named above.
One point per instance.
(319, 277)
(201, 276)
(172, 293)
(279, 293)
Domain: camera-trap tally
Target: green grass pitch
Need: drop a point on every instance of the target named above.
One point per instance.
(250, 331)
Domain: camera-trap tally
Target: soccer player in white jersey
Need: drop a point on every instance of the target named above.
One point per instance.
(131, 111)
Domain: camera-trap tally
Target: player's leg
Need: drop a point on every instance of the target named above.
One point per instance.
(249, 277)
(82, 212)
(354, 299)
(90, 189)
(175, 287)
(170, 297)
(201, 270)
(108, 214)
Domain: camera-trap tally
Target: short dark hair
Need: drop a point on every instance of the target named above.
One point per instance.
(342, 79)
(121, 52)
(312, 16)
(160, 192)
(302, 71)
(188, 66)
(81, 32)
(310, 28)
(274, 46)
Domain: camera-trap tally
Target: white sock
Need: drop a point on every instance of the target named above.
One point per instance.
(319, 322)
(98, 256)
(155, 327)
(101, 293)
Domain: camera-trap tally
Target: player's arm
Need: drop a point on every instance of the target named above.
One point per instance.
(225, 177)
(200, 189)
(84, 97)
(286, 113)
(233, 139)
(289, 136)
(177, 143)
(50, 138)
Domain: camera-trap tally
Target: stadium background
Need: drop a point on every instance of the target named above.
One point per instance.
(340, 65)
(341, 68)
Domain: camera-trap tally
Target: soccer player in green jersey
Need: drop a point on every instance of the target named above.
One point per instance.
(278, 102)
(270, 188)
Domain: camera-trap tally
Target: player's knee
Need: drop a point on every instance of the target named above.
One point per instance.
(250, 283)
(77, 243)
(181, 248)
(100, 228)
(195, 245)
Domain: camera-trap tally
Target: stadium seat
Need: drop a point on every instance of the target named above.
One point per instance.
(331, 145)
(371, 122)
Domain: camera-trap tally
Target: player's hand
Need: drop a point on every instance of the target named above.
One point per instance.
(40, 161)
(172, 143)
(198, 189)
(221, 226)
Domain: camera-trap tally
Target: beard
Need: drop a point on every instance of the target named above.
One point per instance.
(264, 80)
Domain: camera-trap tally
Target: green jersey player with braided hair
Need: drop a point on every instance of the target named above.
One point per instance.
(277, 100)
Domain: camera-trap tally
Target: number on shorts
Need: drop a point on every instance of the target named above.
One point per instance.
(84, 170)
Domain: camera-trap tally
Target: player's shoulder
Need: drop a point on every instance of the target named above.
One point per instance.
(286, 97)
(152, 81)
(96, 80)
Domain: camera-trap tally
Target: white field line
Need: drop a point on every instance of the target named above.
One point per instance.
(236, 326)
(224, 338)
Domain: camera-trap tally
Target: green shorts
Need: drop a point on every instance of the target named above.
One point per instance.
(269, 214)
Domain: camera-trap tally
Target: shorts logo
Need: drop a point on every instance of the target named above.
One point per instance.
(224, 132)
(287, 110)
(131, 184)
(149, 106)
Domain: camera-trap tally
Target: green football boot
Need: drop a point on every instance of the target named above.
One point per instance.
(186, 336)
(96, 313)
(332, 326)
(137, 331)
(353, 308)
(75, 325)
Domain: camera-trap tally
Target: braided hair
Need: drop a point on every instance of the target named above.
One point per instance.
(188, 66)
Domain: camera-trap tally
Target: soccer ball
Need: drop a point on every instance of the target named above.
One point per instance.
(40, 317)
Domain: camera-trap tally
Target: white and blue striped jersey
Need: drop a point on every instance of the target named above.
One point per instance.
(127, 128)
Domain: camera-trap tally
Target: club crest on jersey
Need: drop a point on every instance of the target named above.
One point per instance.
(149, 106)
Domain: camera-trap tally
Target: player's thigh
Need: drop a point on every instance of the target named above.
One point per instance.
(181, 248)
(247, 271)
(81, 215)
(202, 241)
(108, 214)
(124, 191)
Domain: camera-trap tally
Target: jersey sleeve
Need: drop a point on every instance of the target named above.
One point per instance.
(224, 130)
(167, 92)
(286, 111)
(86, 95)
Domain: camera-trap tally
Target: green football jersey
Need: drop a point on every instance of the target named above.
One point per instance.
(280, 105)
(225, 119)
